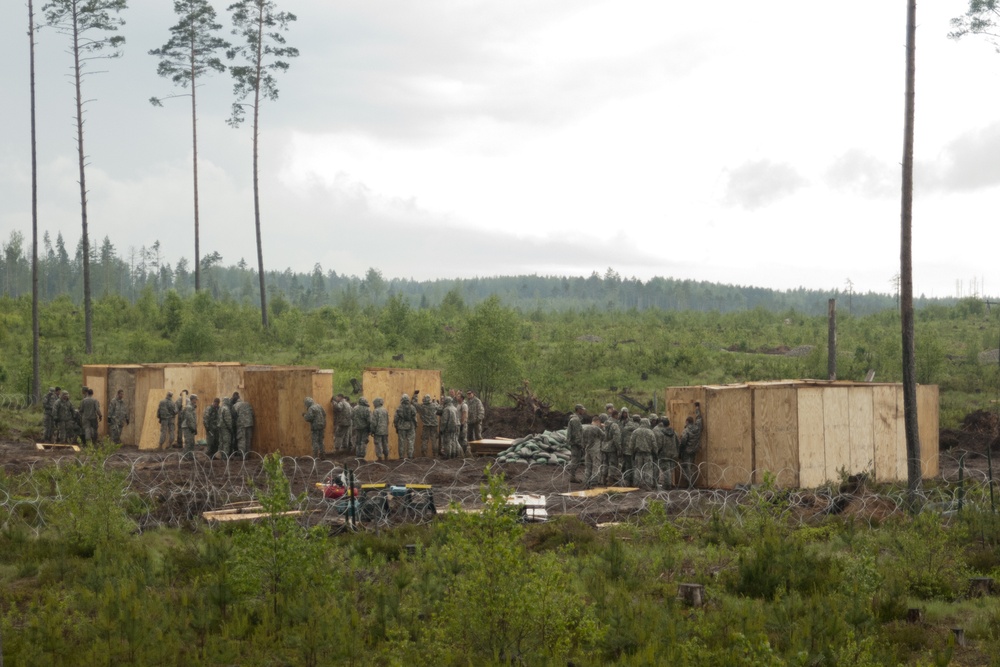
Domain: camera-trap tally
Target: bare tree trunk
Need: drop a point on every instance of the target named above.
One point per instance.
(36, 378)
(913, 467)
(194, 143)
(256, 179)
(85, 240)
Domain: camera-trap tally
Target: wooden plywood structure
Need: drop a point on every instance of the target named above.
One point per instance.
(124, 378)
(805, 433)
(96, 377)
(390, 384)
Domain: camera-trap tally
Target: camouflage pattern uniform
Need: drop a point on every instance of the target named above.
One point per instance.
(361, 423)
(628, 466)
(226, 426)
(405, 423)
(610, 451)
(380, 429)
(449, 429)
(669, 452)
(593, 436)
(477, 414)
(574, 438)
(211, 419)
(48, 422)
(189, 423)
(165, 412)
(342, 425)
(690, 443)
(428, 412)
(90, 415)
(316, 416)
(62, 414)
(180, 414)
(244, 426)
(463, 424)
(117, 418)
(642, 442)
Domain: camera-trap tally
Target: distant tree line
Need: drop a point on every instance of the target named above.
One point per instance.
(127, 273)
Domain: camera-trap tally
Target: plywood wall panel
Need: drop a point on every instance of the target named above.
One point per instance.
(836, 431)
(390, 384)
(322, 393)
(862, 429)
(928, 423)
(776, 435)
(123, 377)
(812, 450)
(96, 377)
(884, 429)
(147, 379)
(149, 438)
(727, 449)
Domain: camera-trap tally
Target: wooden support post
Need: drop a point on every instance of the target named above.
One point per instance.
(959, 636)
(980, 587)
(693, 595)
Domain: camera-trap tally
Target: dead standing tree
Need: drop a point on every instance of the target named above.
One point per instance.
(87, 24)
(188, 54)
(262, 52)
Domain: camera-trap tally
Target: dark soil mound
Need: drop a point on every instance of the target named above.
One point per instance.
(979, 431)
(516, 422)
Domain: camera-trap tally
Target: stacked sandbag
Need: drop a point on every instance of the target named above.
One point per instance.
(547, 448)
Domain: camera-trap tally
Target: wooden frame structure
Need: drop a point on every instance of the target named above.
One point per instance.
(804, 433)
(390, 384)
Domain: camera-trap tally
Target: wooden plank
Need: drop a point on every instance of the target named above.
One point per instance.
(884, 431)
(928, 424)
(862, 429)
(42, 446)
(836, 432)
(776, 434)
(230, 379)
(599, 491)
(390, 384)
(147, 379)
(901, 471)
(277, 396)
(149, 438)
(322, 393)
(96, 378)
(123, 377)
(812, 450)
(727, 440)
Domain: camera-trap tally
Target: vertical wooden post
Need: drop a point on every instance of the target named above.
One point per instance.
(831, 345)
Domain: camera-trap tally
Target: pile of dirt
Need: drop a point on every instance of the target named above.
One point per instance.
(980, 430)
(516, 422)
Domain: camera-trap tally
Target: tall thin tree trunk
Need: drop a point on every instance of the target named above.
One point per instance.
(36, 378)
(194, 142)
(913, 467)
(85, 240)
(256, 181)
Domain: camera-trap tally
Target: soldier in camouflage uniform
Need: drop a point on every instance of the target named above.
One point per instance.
(625, 457)
(574, 438)
(244, 425)
(189, 424)
(227, 426)
(405, 423)
(477, 415)
(90, 415)
(165, 412)
(690, 443)
(361, 424)
(380, 429)
(62, 415)
(669, 452)
(180, 415)
(211, 419)
(642, 442)
(611, 450)
(316, 416)
(428, 412)
(341, 424)
(117, 417)
(593, 436)
(48, 422)
(449, 429)
(463, 423)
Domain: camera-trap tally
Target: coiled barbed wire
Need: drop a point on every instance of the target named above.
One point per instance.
(176, 489)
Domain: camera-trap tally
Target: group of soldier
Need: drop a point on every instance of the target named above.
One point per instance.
(228, 424)
(64, 423)
(642, 451)
(447, 425)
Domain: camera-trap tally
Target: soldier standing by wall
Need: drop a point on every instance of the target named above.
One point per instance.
(341, 424)
(477, 415)
(361, 423)
(180, 414)
(90, 415)
(117, 417)
(316, 416)
(611, 449)
(226, 427)
(669, 452)
(463, 423)
(642, 442)
(63, 415)
(593, 436)
(690, 443)
(244, 425)
(380, 429)
(574, 438)
(405, 423)
(189, 424)
(449, 429)
(212, 421)
(165, 412)
(429, 418)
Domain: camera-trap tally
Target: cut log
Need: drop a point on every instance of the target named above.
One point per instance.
(693, 595)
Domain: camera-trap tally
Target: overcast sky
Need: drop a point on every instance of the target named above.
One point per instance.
(753, 143)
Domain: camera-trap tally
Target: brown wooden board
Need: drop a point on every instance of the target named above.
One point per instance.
(322, 393)
(836, 431)
(901, 471)
(149, 436)
(148, 378)
(727, 448)
(390, 384)
(776, 435)
(277, 395)
(230, 379)
(862, 429)
(123, 377)
(884, 429)
(812, 450)
(928, 424)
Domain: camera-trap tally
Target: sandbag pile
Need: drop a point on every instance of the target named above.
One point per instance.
(548, 448)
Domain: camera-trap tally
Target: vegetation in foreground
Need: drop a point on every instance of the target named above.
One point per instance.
(83, 588)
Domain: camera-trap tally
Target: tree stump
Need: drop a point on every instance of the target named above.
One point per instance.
(980, 587)
(693, 595)
(959, 636)
(411, 549)
(914, 615)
